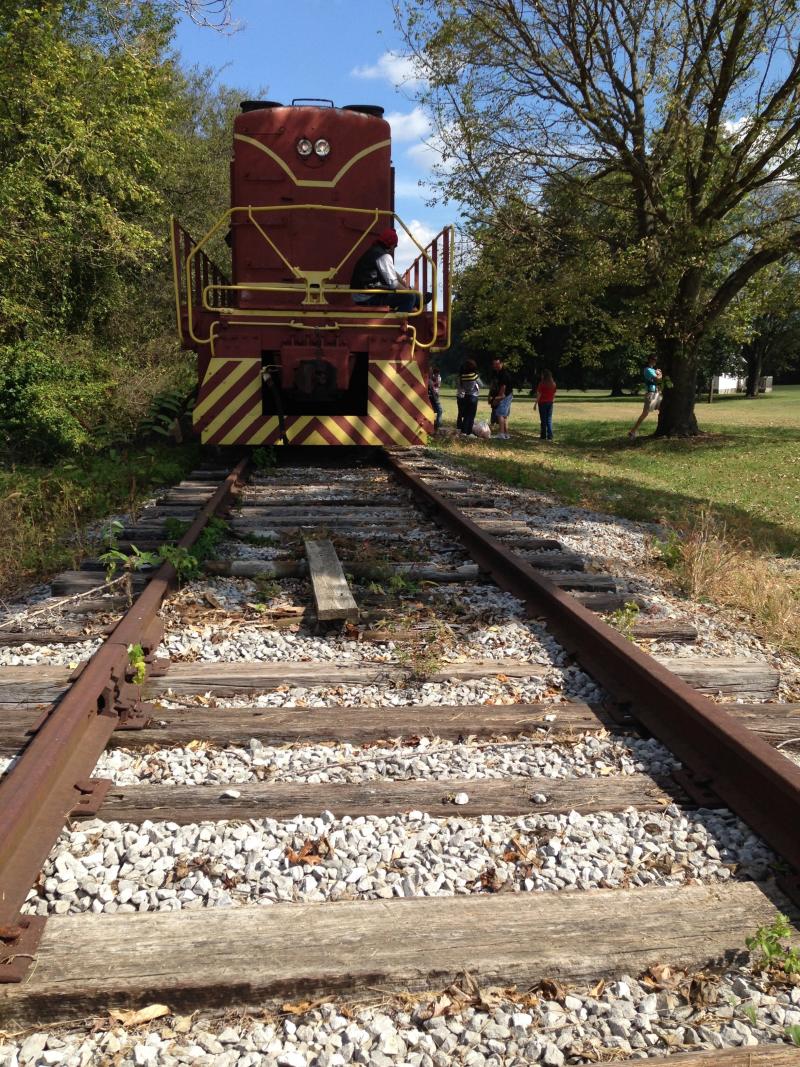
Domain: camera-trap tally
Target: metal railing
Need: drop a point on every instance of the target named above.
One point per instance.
(193, 273)
(313, 286)
(439, 253)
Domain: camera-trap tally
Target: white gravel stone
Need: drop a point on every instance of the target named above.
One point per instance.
(163, 866)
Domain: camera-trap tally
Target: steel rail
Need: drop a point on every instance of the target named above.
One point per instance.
(51, 777)
(726, 759)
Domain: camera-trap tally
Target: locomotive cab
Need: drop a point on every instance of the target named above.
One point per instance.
(285, 353)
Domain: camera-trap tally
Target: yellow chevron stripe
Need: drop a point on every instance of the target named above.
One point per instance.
(257, 437)
(243, 424)
(395, 406)
(315, 438)
(299, 424)
(366, 433)
(418, 399)
(206, 402)
(239, 401)
(392, 431)
(339, 432)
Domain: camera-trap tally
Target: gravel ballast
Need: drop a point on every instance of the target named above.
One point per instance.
(111, 866)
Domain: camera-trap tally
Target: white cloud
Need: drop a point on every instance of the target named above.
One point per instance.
(429, 154)
(392, 67)
(407, 251)
(409, 127)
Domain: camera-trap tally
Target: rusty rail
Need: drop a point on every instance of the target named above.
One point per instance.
(52, 777)
(725, 759)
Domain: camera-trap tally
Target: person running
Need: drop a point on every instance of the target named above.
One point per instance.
(500, 397)
(545, 395)
(652, 396)
(434, 385)
(467, 396)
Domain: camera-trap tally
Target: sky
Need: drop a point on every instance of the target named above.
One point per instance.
(347, 51)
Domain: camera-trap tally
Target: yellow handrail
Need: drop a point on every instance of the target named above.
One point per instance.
(314, 280)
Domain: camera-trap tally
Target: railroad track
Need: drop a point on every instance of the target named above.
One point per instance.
(391, 711)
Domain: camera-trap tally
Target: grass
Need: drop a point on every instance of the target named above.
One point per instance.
(43, 509)
(730, 499)
(746, 469)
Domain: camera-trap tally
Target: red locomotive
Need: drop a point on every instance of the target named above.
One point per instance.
(286, 352)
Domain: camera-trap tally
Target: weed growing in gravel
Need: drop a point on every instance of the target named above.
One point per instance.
(137, 661)
(211, 536)
(793, 1033)
(187, 565)
(266, 588)
(773, 953)
(625, 618)
(670, 550)
(264, 459)
(136, 560)
(425, 657)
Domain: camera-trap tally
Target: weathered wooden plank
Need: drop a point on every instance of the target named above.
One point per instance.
(12, 639)
(776, 723)
(414, 572)
(725, 675)
(605, 602)
(554, 561)
(218, 957)
(751, 1056)
(294, 517)
(332, 597)
(69, 583)
(283, 800)
(274, 726)
(584, 581)
(32, 685)
(38, 684)
(665, 630)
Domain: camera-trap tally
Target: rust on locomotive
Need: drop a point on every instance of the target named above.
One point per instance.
(284, 353)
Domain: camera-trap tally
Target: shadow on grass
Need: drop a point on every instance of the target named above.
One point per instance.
(625, 496)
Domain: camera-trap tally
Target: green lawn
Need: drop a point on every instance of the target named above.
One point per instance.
(747, 467)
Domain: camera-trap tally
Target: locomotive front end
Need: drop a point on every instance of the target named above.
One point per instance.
(286, 353)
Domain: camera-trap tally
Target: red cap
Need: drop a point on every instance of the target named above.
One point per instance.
(388, 237)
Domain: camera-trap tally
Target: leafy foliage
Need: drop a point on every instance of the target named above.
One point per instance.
(637, 110)
(772, 953)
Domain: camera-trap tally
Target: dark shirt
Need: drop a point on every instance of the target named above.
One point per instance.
(375, 270)
(502, 378)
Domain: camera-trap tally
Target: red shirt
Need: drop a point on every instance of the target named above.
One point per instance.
(545, 393)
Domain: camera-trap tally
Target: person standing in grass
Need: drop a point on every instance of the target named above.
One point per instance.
(467, 396)
(545, 395)
(500, 397)
(434, 385)
(652, 395)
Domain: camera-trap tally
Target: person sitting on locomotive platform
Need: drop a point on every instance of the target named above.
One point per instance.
(376, 270)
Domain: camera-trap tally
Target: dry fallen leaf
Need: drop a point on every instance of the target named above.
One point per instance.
(144, 1015)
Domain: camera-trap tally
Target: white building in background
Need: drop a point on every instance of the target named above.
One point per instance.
(725, 383)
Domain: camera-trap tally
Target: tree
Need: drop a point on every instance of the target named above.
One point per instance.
(694, 106)
(774, 342)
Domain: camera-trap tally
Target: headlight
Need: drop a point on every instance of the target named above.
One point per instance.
(322, 148)
(304, 147)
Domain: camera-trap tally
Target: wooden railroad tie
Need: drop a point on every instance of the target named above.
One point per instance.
(332, 597)
(88, 964)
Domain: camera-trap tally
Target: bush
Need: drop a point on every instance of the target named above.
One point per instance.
(48, 404)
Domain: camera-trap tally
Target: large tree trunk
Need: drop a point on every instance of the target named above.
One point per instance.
(754, 357)
(676, 417)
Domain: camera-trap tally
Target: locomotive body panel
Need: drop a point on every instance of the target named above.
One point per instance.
(284, 353)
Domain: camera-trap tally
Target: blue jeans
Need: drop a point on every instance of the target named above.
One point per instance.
(467, 409)
(546, 419)
(436, 404)
(394, 301)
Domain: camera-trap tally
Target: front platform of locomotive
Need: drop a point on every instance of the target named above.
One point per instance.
(285, 354)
